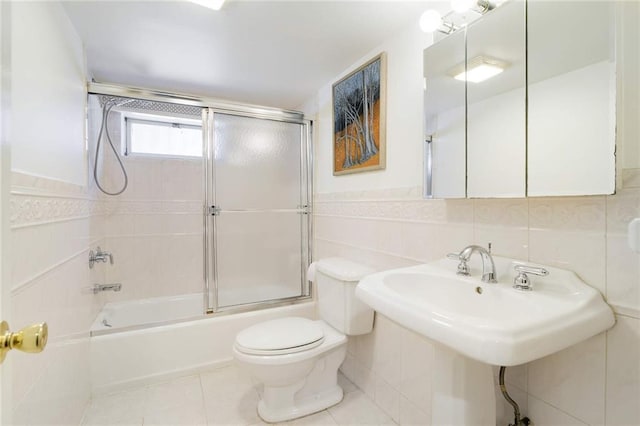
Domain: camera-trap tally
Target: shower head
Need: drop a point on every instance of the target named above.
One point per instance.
(142, 105)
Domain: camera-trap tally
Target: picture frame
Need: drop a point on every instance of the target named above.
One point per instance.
(359, 119)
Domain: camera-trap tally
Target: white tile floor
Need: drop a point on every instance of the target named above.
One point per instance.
(225, 396)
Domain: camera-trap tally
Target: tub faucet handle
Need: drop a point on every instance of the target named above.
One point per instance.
(99, 256)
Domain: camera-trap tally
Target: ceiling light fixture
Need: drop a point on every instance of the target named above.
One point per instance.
(478, 69)
(209, 4)
(431, 20)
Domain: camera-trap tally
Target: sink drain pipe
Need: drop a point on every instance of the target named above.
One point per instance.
(516, 409)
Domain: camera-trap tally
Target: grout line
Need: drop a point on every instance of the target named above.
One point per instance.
(204, 407)
(25, 284)
(528, 247)
(26, 192)
(562, 411)
(625, 312)
(606, 364)
(157, 234)
(399, 219)
(371, 250)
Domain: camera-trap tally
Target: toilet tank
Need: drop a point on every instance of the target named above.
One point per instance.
(336, 281)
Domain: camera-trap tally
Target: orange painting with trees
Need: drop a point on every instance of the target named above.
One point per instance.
(358, 119)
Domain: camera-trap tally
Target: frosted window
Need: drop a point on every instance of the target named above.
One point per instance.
(163, 138)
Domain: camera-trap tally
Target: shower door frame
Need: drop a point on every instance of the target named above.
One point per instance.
(211, 211)
(210, 106)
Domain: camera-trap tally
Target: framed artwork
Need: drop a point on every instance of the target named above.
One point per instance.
(359, 115)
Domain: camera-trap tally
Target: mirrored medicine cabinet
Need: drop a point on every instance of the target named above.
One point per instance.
(521, 102)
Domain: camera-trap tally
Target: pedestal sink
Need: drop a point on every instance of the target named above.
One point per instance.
(478, 324)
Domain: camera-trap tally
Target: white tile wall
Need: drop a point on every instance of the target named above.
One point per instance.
(573, 380)
(155, 228)
(623, 373)
(53, 226)
(595, 382)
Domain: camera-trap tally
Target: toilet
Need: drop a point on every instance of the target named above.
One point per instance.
(297, 359)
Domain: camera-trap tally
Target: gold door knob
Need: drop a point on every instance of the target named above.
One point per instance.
(30, 339)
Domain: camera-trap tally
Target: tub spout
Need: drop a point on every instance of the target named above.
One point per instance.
(97, 288)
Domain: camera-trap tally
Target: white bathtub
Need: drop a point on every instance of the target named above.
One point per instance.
(182, 342)
(137, 314)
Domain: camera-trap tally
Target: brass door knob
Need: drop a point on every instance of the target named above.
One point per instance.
(30, 339)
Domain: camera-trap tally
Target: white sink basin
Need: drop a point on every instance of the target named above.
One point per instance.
(491, 323)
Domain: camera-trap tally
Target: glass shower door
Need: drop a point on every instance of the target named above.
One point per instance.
(258, 210)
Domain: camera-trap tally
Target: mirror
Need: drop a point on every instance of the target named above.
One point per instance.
(572, 98)
(496, 111)
(545, 125)
(444, 106)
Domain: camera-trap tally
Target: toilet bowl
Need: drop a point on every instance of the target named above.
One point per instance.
(297, 359)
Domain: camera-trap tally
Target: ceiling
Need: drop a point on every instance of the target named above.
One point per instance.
(271, 53)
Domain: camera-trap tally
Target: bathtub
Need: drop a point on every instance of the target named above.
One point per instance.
(128, 352)
(138, 314)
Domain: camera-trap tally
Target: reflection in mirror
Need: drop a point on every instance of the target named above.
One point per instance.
(496, 103)
(444, 106)
(572, 93)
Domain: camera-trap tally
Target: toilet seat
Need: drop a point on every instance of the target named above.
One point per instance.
(280, 336)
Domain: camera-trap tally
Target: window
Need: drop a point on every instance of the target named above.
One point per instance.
(163, 136)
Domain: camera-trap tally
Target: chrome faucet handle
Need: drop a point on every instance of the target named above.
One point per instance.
(521, 281)
(463, 268)
(93, 258)
(99, 256)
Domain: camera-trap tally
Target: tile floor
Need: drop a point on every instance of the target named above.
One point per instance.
(224, 396)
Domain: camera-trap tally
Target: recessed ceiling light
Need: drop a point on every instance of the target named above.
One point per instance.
(210, 4)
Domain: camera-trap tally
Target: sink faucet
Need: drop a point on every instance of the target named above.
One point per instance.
(488, 276)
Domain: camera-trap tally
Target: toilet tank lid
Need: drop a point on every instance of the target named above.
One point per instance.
(343, 269)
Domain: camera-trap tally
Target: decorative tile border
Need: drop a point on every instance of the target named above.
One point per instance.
(438, 211)
(32, 209)
(26, 209)
(35, 200)
(568, 213)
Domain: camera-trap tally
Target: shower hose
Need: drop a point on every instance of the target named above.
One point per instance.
(104, 130)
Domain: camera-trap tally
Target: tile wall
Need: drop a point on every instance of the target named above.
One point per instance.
(54, 215)
(596, 382)
(155, 228)
(53, 226)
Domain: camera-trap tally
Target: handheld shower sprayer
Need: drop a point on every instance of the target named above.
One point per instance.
(107, 106)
